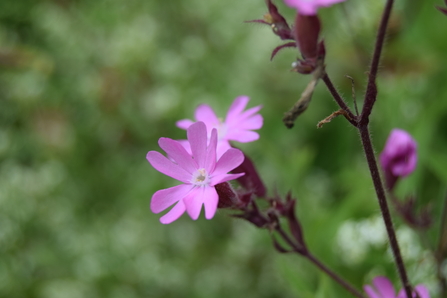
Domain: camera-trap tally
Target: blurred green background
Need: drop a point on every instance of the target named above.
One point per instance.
(88, 87)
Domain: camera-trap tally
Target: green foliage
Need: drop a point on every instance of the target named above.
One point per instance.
(88, 87)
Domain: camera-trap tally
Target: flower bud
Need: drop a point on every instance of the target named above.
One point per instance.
(417, 218)
(307, 30)
(399, 157)
(278, 22)
(227, 197)
(251, 181)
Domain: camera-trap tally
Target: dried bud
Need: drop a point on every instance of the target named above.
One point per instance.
(294, 223)
(399, 157)
(276, 21)
(286, 208)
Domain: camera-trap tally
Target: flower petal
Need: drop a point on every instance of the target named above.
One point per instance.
(193, 202)
(206, 114)
(167, 167)
(250, 112)
(174, 213)
(211, 199)
(184, 123)
(164, 198)
(224, 177)
(210, 161)
(401, 294)
(422, 291)
(243, 136)
(177, 152)
(238, 120)
(253, 122)
(306, 7)
(384, 286)
(370, 292)
(222, 147)
(236, 109)
(185, 144)
(328, 2)
(197, 137)
(229, 161)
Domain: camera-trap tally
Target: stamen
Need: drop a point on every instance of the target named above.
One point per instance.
(200, 177)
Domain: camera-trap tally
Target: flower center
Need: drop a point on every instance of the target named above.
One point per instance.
(200, 178)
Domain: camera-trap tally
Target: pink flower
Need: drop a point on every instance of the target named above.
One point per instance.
(238, 125)
(309, 7)
(383, 288)
(399, 157)
(420, 289)
(198, 171)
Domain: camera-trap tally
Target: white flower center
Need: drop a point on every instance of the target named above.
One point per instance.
(200, 178)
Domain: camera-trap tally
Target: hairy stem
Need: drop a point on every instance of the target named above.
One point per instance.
(370, 99)
(371, 89)
(380, 191)
(362, 126)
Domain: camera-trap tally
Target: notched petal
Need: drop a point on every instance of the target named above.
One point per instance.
(167, 167)
(164, 198)
(229, 161)
(174, 213)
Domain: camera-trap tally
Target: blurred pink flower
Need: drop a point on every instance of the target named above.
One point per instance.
(399, 157)
(310, 7)
(420, 289)
(198, 171)
(238, 125)
(383, 288)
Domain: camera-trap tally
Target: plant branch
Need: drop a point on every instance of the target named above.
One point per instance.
(305, 253)
(339, 100)
(380, 191)
(334, 276)
(371, 89)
